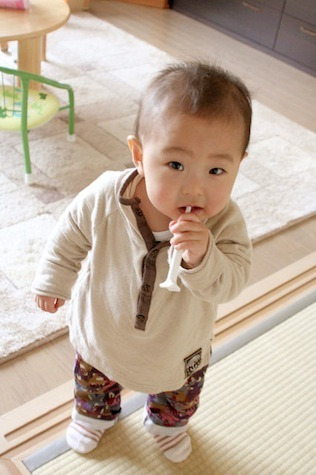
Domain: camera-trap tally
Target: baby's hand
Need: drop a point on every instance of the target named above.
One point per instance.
(190, 236)
(49, 304)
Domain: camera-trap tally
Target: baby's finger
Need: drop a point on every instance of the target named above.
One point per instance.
(188, 217)
(187, 226)
(47, 304)
(50, 305)
(185, 238)
(59, 303)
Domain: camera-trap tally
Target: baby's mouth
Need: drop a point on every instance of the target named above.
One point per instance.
(193, 209)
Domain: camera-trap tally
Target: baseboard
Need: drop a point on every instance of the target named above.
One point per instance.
(32, 426)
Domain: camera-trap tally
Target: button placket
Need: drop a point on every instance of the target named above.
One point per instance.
(148, 282)
(149, 263)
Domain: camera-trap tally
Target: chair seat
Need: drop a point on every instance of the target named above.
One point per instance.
(42, 107)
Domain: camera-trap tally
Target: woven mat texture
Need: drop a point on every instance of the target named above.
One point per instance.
(256, 417)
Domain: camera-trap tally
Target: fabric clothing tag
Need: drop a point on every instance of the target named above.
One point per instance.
(192, 362)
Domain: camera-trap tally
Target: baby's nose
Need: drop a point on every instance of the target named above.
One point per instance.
(192, 185)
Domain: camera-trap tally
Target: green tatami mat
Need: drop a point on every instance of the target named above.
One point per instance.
(257, 416)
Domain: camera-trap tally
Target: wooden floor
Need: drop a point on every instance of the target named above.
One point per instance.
(274, 83)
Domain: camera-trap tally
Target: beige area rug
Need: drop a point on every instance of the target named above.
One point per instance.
(256, 417)
(107, 69)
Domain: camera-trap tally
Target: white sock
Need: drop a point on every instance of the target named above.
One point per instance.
(84, 433)
(82, 438)
(174, 442)
(175, 448)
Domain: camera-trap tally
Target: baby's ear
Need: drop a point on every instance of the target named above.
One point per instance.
(137, 152)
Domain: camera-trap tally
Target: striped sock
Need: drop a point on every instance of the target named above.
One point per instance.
(83, 437)
(176, 448)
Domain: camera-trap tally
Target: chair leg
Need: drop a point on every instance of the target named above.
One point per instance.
(24, 132)
(71, 137)
(28, 179)
(71, 117)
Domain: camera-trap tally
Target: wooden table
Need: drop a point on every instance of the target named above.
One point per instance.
(29, 28)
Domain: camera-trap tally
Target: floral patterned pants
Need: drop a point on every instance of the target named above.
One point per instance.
(98, 397)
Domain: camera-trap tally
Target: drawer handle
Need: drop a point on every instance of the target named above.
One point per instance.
(307, 31)
(250, 6)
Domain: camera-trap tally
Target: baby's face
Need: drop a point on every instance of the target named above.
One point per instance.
(191, 161)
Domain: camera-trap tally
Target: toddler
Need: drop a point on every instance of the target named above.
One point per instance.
(191, 134)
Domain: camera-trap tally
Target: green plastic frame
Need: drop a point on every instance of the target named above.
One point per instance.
(25, 79)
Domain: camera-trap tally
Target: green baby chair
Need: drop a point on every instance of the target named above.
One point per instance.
(23, 108)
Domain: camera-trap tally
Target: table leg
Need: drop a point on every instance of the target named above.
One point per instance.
(44, 37)
(30, 56)
(4, 46)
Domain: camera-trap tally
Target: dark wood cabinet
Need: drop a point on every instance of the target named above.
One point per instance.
(284, 28)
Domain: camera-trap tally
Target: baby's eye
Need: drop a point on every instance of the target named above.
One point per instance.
(176, 165)
(216, 171)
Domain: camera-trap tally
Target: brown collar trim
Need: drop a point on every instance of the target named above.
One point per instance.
(128, 181)
(139, 215)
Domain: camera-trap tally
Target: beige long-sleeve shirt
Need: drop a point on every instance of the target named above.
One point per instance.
(121, 322)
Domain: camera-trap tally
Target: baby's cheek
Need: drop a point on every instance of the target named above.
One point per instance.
(216, 207)
(202, 215)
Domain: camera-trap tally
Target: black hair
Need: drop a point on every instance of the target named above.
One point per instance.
(195, 88)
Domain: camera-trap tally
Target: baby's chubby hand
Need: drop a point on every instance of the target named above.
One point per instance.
(49, 304)
(190, 236)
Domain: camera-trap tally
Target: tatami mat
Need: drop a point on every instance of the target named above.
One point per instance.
(257, 416)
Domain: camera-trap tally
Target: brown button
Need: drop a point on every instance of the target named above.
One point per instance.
(140, 318)
(146, 287)
(139, 212)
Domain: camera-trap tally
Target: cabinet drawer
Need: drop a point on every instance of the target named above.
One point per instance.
(252, 19)
(200, 9)
(297, 40)
(303, 10)
(276, 4)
